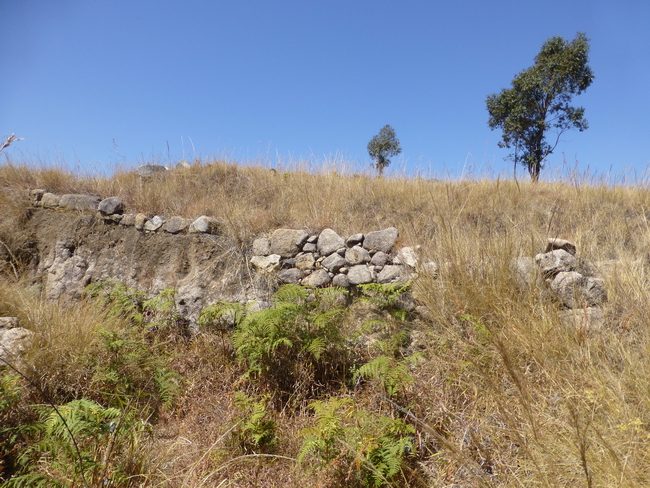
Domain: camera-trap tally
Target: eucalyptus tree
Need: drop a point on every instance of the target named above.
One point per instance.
(539, 102)
(382, 146)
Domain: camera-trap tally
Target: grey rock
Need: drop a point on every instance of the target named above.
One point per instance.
(262, 246)
(290, 276)
(393, 273)
(333, 262)
(359, 275)
(329, 242)
(128, 219)
(79, 202)
(525, 271)
(354, 240)
(554, 262)
(155, 223)
(305, 261)
(267, 264)
(182, 164)
(320, 277)
(287, 242)
(381, 240)
(310, 247)
(379, 259)
(176, 225)
(356, 255)
(205, 225)
(148, 170)
(407, 256)
(312, 239)
(111, 205)
(13, 344)
(36, 195)
(576, 290)
(140, 220)
(341, 280)
(554, 243)
(8, 322)
(50, 200)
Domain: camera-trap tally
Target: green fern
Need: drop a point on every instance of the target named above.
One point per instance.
(77, 444)
(295, 342)
(372, 447)
(391, 374)
(256, 431)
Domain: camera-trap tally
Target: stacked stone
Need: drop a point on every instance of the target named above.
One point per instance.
(559, 267)
(112, 210)
(572, 282)
(327, 258)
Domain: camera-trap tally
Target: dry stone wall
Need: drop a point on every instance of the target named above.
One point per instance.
(295, 256)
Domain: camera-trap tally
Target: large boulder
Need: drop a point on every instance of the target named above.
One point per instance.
(176, 225)
(381, 240)
(111, 205)
(320, 277)
(14, 341)
(393, 273)
(554, 262)
(80, 202)
(290, 276)
(576, 291)
(262, 246)
(359, 275)
(267, 264)
(287, 242)
(333, 262)
(329, 242)
(356, 255)
(148, 170)
(205, 225)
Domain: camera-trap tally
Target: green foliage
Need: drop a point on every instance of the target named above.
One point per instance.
(157, 313)
(539, 102)
(221, 316)
(255, 430)
(383, 146)
(10, 389)
(391, 374)
(385, 296)
(296, 345)
(133, 371)
(370, 449)
(100, 436)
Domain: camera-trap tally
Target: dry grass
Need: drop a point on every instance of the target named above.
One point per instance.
(508, 394)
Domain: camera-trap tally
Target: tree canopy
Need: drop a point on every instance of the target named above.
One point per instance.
(383, 146)
(539, 101)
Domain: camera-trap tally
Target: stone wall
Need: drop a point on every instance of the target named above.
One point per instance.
(297, 257)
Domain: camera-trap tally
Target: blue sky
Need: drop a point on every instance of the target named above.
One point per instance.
(95, 84)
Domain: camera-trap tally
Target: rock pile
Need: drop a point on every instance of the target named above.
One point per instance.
(327, 258)
(573, 282)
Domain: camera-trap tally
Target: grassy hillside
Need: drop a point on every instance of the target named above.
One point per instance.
(488, 388)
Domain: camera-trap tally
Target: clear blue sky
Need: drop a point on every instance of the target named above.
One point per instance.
(92, 84)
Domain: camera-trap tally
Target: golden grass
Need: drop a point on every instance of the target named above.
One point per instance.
(511, 395)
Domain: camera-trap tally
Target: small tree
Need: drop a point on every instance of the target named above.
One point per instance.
(383, 146)
(539, 101)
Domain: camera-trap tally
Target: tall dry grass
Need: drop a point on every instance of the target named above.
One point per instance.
(511, 395)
